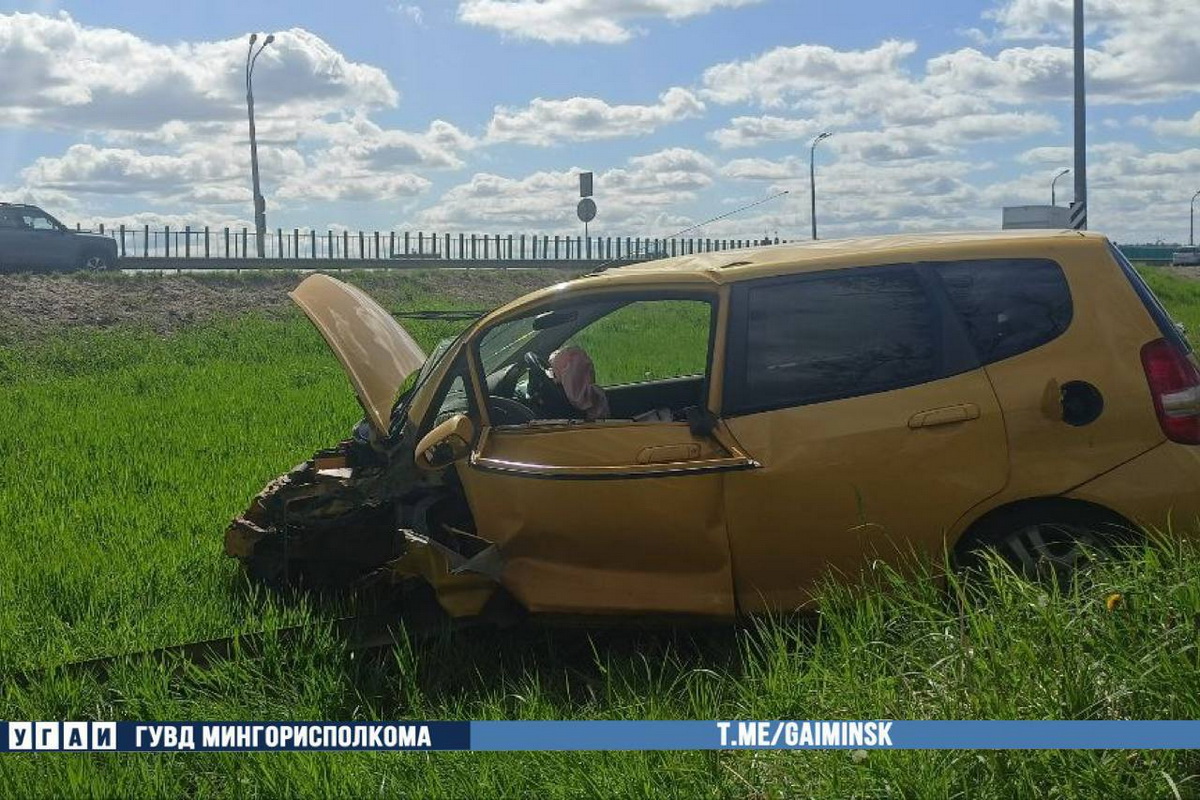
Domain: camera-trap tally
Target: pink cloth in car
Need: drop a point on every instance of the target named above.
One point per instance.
(573, 370)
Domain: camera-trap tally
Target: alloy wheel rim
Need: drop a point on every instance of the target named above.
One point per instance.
(1043, 550)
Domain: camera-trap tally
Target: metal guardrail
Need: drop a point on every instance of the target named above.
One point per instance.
(296, 244)
(393, 249)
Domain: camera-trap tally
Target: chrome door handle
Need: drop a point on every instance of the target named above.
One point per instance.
(944, 416)
(669, 453)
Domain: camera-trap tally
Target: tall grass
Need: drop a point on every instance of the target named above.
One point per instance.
(125, 453)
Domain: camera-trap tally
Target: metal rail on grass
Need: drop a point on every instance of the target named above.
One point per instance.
(360, 633)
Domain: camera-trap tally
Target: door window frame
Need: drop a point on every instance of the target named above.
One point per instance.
(953, 351)
(737, 459)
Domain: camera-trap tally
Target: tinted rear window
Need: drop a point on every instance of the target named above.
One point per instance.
(1008, 306)
(835, 335)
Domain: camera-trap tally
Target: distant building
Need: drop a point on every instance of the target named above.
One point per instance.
(1023, 217)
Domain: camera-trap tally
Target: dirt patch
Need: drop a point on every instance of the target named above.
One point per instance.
(35, 305)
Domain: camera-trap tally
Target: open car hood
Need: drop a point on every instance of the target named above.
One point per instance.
(375, 350)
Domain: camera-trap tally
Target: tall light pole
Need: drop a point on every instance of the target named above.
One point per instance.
(1079, 207)
(260, 205)
(812, 177)
(1053, 202)
(1192, 220)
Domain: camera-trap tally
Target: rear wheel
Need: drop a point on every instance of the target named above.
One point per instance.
(96, 262)
(1048, 543)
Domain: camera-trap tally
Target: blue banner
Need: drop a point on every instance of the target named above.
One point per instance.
(825, 735)
(57, 736)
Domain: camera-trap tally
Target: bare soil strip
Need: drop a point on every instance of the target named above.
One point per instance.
(32, 306)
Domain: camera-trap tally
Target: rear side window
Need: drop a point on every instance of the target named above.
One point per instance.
(1007, 306)
(830, 335)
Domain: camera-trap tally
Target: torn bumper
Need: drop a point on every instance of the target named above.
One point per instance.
(327, 526)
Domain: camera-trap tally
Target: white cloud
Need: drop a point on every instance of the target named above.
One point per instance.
(1047, 156)
(359, 141)
(545, 122)
(859, 197)
(764, 169)
(889, 142)
(879, 110)
(167, 123)
(57, 73)
(330, 182)
(756, 131)
(1177, 127)
(635, 197)
(574, 21)
(1043, 19)
(205, 175)
(1139, 51)
(163, 127)
(665, 177)
(1132, 195)
(801, 72)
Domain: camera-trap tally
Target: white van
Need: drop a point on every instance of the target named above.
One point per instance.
(1186, 257)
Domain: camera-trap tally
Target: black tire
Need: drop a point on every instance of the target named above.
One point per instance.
(96, 262)
(1044, 542)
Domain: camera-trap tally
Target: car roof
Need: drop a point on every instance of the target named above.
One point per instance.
(706, 270)
(734, 265)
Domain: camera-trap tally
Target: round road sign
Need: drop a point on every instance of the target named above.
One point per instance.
(586, 209)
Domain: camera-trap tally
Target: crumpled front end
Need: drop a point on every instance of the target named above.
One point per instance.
(324, 525)
(363, 512)
(335, 523)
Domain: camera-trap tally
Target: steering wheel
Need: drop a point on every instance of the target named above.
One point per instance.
(543, 389)
(506, 411)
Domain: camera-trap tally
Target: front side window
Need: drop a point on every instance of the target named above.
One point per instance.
(609, 358)
(1007, 306)
(647, 341)
(40, 222)
(826, 336)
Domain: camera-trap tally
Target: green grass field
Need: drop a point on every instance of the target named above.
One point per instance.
(126, 451)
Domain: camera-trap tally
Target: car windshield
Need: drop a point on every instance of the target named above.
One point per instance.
(504, 340)
(414, 383)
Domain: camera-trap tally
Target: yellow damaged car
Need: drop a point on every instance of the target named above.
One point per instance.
(711, 435)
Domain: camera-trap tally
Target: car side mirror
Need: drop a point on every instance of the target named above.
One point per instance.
(446, 443)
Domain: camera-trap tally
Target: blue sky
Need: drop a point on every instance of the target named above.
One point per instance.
(474, 115)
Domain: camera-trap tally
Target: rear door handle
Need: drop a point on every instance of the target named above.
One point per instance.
(944, 416)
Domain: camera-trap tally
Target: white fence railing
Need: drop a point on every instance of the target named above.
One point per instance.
(238, 243)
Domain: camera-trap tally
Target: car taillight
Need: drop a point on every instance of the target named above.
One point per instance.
(1175, 386)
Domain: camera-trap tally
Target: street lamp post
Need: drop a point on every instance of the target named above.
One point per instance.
(1053, 202)
(1192, 220)
(812, 178)
(1079, 207)
(260, 205)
